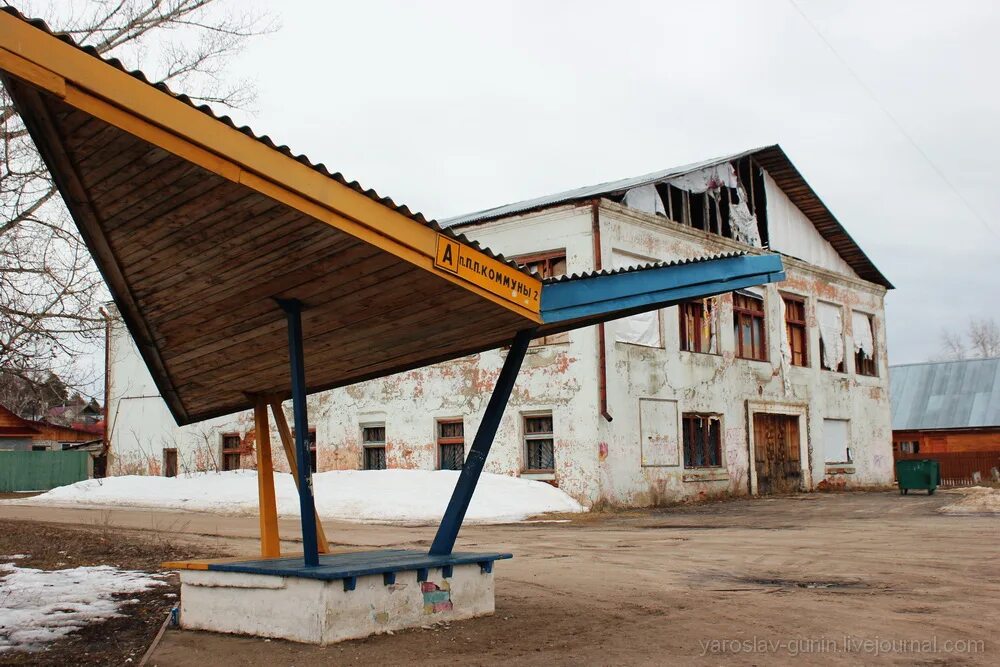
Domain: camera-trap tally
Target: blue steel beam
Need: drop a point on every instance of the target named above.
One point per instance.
(603, 297)
(307, 504)
(451, 523)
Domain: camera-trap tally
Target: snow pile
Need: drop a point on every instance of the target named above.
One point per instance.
(366, 496)
(974, 500)
(38, 606)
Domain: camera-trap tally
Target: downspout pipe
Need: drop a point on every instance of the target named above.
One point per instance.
(602, 355)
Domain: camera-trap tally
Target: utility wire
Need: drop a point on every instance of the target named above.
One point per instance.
(899, 126)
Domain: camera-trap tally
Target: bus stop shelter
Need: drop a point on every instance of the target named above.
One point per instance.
(248, 275)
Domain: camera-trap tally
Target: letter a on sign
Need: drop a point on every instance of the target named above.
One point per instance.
(447, 254)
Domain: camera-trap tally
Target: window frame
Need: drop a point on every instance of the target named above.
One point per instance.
(843, 340)
(740, 312)
(860, 359)
(707, 418)
(373, 444)
(548, 259)
(448, 441)
(527, 438)
(699, 318)
(231, 451)
(803, 325)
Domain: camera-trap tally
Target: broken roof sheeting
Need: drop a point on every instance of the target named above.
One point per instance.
(772, 158)
(945, 394)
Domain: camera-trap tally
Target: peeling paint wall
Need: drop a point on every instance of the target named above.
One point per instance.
(594, 459)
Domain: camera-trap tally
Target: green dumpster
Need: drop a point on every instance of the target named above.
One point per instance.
(918, 474)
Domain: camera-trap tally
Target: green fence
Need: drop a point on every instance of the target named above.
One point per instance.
(41, 471)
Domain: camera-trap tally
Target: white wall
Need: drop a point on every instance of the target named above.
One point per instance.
(594, 458)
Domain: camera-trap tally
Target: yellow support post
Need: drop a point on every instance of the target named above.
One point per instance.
(285, 434)
(270, 543)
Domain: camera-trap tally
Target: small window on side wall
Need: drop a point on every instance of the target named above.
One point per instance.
(539, 445)
(702, 441)
(232, 447)
(451, 444)
(862, 326)
(373, 446)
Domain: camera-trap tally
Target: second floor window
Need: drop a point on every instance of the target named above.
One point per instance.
(796, 329)
(864, 344)
(697, 319)
(546, 265)
(748, 326)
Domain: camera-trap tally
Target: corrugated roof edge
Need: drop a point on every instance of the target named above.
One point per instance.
(265, 139)
(942, 361)
(772, 157)
(642, 267)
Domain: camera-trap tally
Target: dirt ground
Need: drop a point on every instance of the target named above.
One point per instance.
(833, 579)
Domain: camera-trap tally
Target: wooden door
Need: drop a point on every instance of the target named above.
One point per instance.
(776, 453)
(170, 463)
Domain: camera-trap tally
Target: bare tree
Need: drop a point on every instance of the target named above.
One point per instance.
(981, 340)
(50, 290)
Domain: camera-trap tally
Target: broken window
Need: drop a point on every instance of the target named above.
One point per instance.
(725, 199)
(643, 328)
(864, 344)
(836, 442)
(232, 448)
(539, 446)
(749, 326)
(373, 444)
(831, 336)
(795, 329)
(451, 444)
(697, 320)
(702, 441)
(550, 264)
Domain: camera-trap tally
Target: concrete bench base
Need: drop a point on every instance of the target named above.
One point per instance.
(323, 611)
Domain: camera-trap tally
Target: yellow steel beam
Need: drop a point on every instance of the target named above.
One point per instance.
(270, 545)
(115, 97)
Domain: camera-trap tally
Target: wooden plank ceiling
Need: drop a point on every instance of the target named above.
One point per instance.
(201, 260)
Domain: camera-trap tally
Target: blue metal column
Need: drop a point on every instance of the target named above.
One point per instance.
(447, 532)
(307, 506)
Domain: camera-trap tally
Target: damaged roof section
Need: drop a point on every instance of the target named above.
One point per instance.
(725, 196)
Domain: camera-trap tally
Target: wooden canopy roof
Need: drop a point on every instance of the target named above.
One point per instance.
(199, 226)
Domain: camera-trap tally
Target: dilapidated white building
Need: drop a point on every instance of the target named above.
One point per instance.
(774, 389)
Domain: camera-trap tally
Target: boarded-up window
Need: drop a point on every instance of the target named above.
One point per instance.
(864, 344)
(539, 449)
(831, 336)
(796, 330)
(641, 329)
(702, 441)
(546, 265)
(231, 450)
(697, 320)
(658, 431)
(451, 444)
(749, 326)
(836, 443)
(373, 444)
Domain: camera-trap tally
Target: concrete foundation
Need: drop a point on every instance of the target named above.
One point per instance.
(319, 611)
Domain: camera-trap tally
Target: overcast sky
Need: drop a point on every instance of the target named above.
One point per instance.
(456, 106)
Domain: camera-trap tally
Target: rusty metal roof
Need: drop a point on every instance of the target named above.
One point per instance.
(945, 394)
(772, 158)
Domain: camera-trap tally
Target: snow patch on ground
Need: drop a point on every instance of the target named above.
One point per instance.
(366, 496)
(974, 500)
(39, 606)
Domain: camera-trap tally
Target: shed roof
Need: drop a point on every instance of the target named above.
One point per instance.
(946, 394)
(772, 158)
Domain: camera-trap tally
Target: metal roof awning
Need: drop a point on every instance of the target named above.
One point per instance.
(201, 229)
